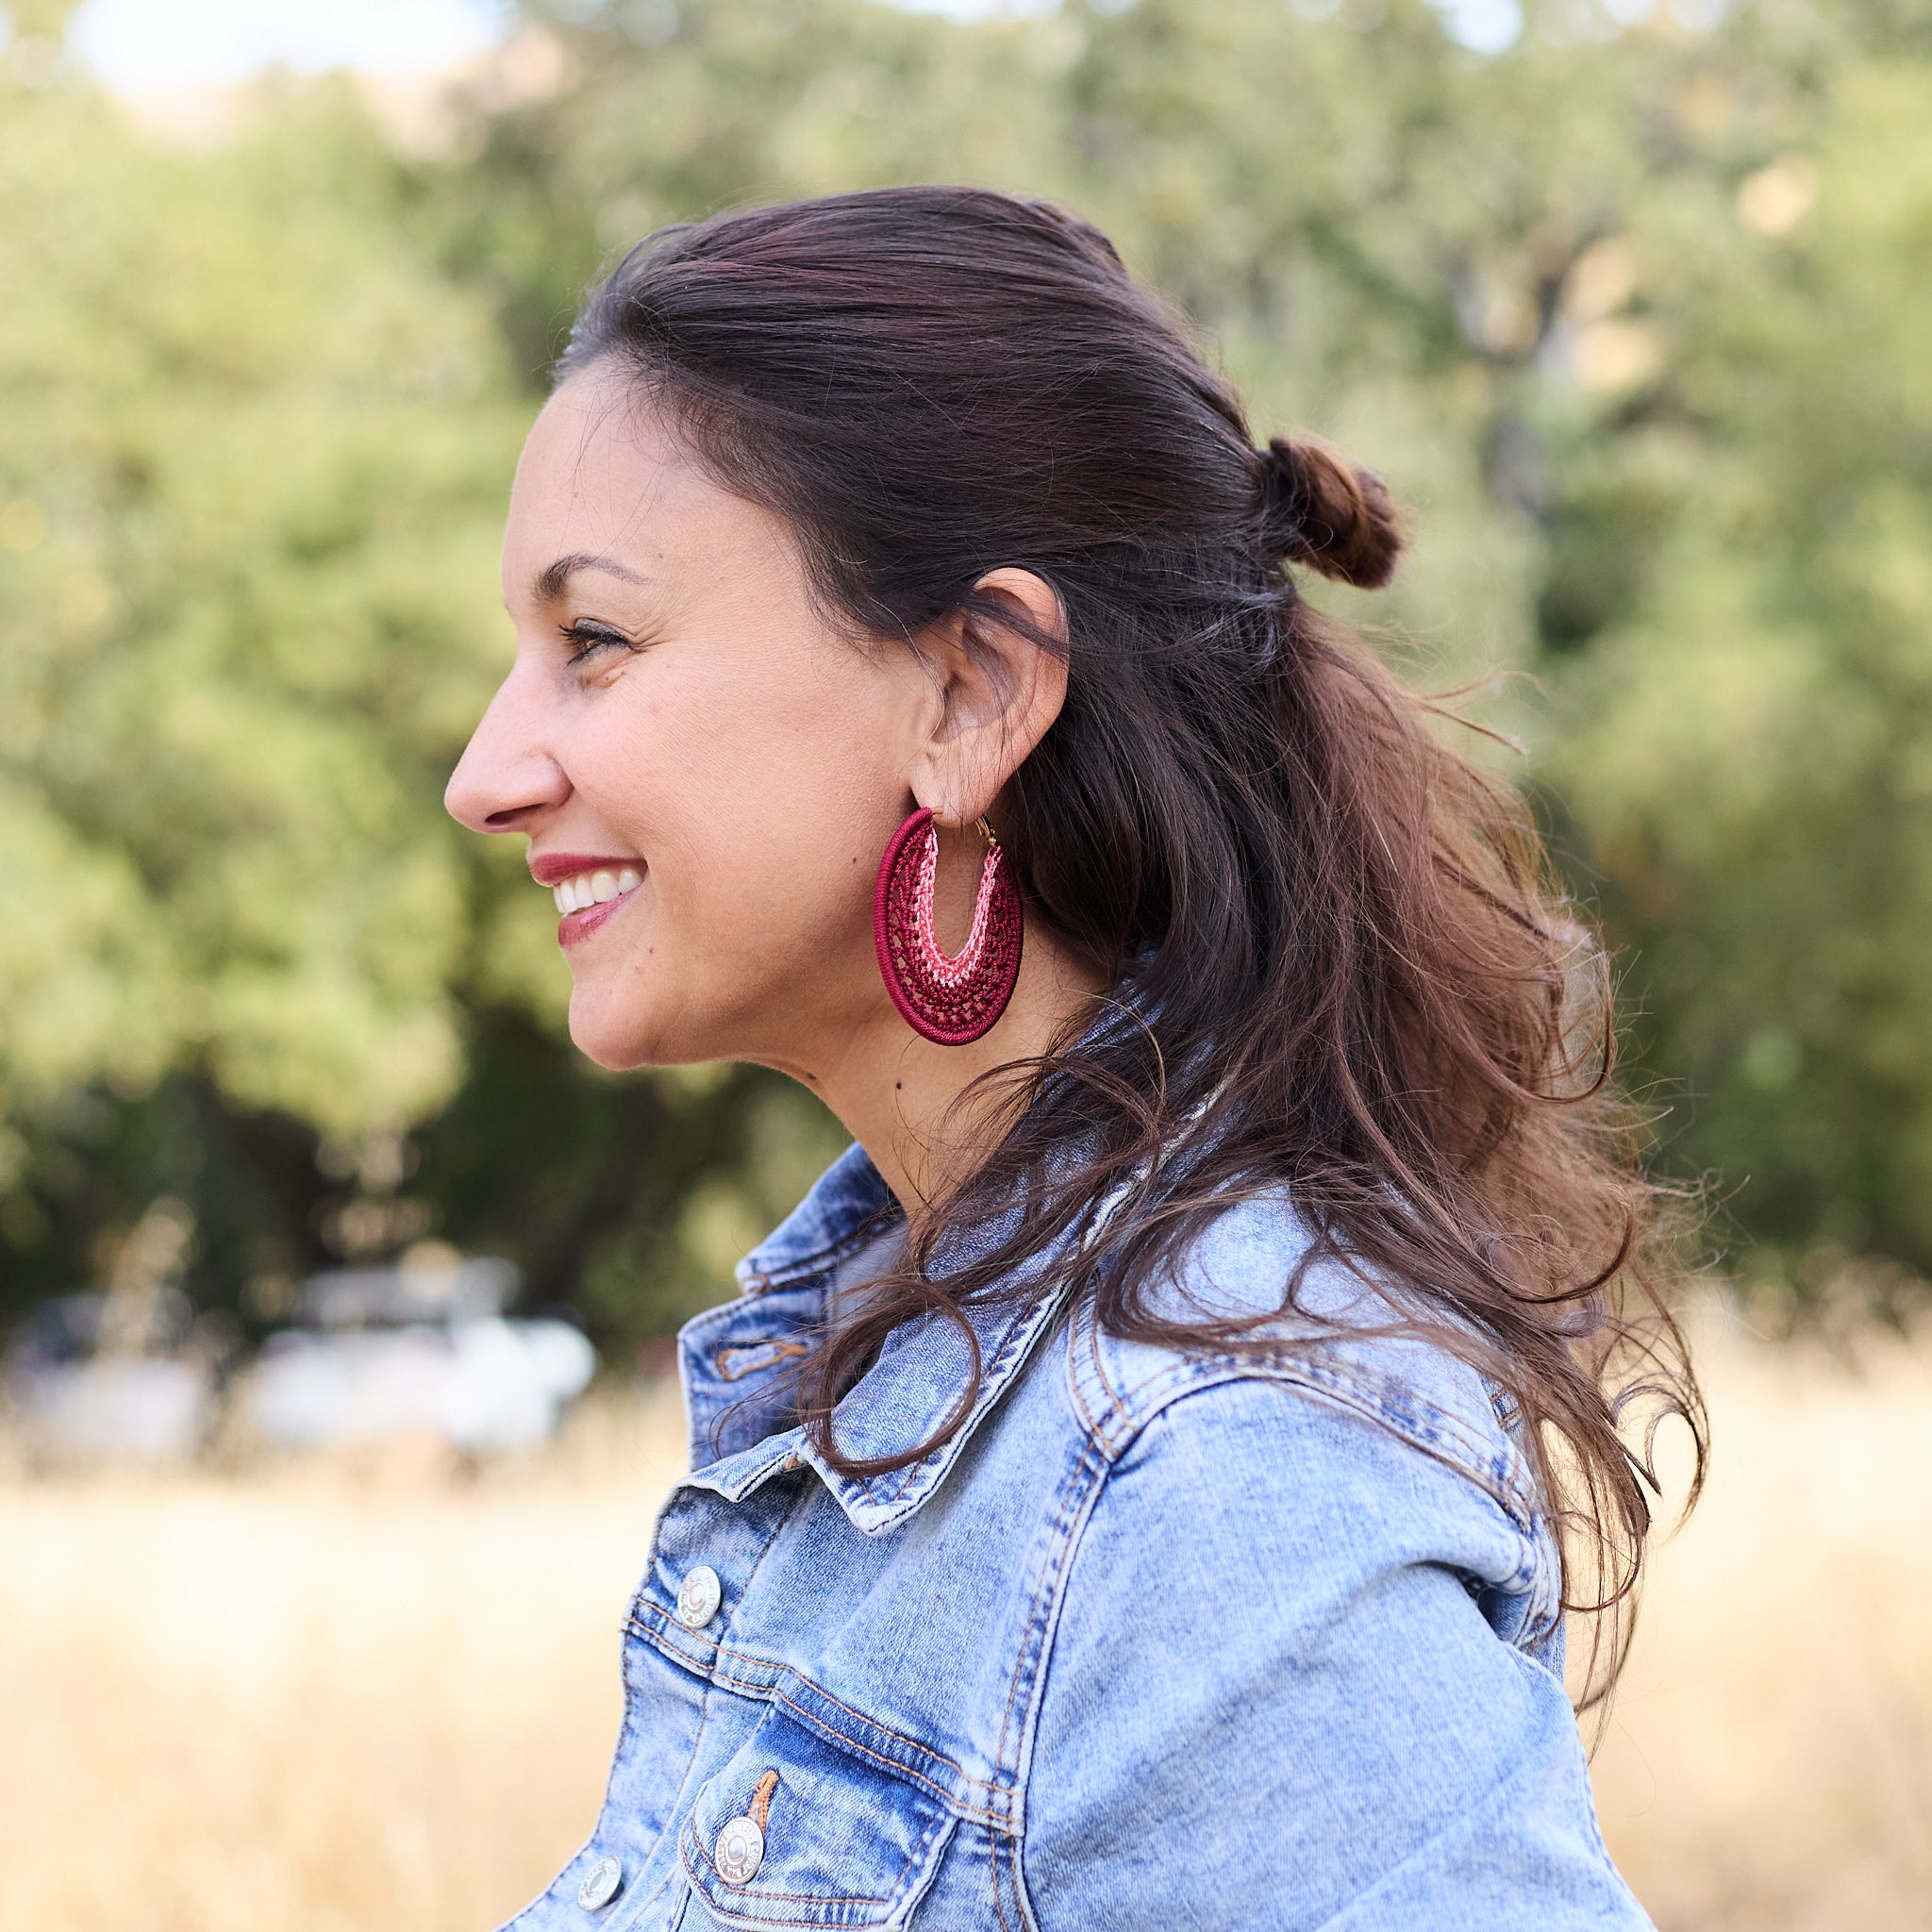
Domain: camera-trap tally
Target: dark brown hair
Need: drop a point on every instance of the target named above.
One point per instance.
(1336, 935)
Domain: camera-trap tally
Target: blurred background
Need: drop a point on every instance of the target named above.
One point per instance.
(335, 1291)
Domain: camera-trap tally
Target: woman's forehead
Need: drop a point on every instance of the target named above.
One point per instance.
(601, 478)
(594, 445)
(604, 481)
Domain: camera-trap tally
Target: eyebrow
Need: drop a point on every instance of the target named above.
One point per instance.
(548, 584)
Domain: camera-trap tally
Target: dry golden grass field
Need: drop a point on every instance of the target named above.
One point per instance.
(380, 1696)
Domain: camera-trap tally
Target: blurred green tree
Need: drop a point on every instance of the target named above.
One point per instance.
(1748, 747)
(1627, 311)
(259, 440)
(246, 505)
(1631, 313)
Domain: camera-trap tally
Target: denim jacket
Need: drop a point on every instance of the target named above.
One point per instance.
(1153, 1640)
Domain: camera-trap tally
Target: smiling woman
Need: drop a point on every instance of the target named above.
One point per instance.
(685, 713)
(1127, 1490)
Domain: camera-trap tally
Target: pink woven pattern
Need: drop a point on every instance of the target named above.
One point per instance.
(948, 1000)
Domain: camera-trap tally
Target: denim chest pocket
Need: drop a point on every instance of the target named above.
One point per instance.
(797, 1831)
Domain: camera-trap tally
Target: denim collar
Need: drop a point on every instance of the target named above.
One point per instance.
(848, 1205)
(735, 1359)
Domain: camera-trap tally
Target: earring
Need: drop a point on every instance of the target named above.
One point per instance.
(947, 1000)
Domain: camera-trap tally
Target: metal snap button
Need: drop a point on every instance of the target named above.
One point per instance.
(602, 1883)
(741, 1850)
(698, 1597)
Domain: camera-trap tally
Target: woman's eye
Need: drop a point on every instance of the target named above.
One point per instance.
(591, 638)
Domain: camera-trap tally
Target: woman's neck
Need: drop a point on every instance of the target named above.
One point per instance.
(911, 1103)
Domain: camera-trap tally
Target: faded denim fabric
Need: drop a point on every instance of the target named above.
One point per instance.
(1155, 1641)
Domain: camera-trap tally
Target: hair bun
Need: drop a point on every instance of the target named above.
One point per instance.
(1320, 510)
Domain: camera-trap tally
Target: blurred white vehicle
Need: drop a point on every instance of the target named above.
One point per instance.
(481, 1384)
(95, 1377)
(419, 1348)
(422, 1347)
(122, 1373)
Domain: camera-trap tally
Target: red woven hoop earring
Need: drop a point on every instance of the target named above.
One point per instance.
(947, 1000)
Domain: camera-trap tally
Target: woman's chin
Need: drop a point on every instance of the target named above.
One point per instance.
(622, 1034)
(618, 1041)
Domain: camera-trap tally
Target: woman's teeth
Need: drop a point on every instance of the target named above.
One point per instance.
(595, 887)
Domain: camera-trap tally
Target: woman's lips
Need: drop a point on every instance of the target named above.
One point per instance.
(587, 890)
(574, 927)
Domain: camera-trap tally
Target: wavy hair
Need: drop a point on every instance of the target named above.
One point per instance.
(1356, 968)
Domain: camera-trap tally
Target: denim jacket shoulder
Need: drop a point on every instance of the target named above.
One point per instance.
(1156, 1637)
(1320, 1576)
(1344, 1346)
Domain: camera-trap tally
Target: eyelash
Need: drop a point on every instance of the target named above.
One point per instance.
(591, 638)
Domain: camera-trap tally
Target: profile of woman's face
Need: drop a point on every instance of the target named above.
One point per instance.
(706, 769)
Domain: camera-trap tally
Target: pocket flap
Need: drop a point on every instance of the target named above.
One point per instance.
(796, 1831)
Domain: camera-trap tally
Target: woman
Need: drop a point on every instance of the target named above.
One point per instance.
(1125, 1493)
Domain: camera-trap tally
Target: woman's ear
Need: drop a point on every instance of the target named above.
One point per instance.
(999, 687)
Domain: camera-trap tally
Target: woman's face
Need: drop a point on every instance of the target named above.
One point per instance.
(706, 772)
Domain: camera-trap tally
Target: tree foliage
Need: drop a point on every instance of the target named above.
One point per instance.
(1629, 312)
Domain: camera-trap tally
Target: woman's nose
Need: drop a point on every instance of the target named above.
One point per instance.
(506, 776)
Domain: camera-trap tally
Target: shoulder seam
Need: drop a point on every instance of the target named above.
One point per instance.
(1502, 1479)
(1498, 1467)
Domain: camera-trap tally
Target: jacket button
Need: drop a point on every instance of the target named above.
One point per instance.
(602, 1883)
(698, 1597)
(740, 1851)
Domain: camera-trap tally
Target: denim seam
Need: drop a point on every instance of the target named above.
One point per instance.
(1073, 1507)
(1097, 1425)
(1544, 1612)
(807, 1898)
(1020, 1332)
(915, 1865)
(1079, 1395)
(703, 1705)
(1494, 1468)
(1086, 1475)
(1072, 1510)
(770, 1685)
(1452, 1446)
(638, 1908)
(992, 1869)
(821, 1260)
(1023, 1904)
(1497, 1467)
(773, 1690)
(918, 1482)
(951, 1800)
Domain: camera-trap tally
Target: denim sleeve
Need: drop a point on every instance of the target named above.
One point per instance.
(1275, 1699)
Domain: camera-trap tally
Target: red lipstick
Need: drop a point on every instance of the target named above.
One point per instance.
(558, 869)
(553, 868)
